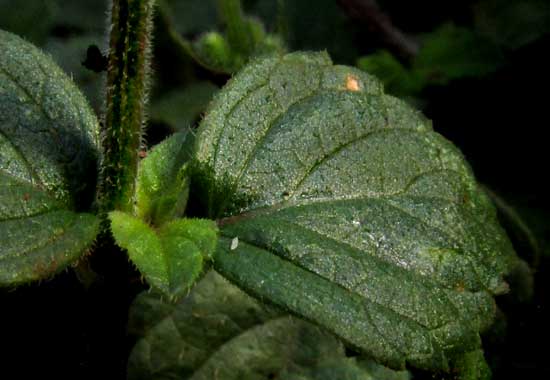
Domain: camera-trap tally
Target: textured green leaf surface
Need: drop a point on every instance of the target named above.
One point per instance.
(48, 165)
(341, 204)
(162, 184)
(218, 332)
(167, 257)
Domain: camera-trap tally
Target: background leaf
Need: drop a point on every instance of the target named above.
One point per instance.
(243, 38)
(48, 165)
(446, 54)
(217, 331)
(32, 18)
(512, 23)
(181, 108)
(348, 207)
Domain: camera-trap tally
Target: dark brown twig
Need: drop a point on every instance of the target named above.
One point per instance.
(369, 12)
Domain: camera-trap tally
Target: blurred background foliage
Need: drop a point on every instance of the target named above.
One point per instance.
(477, 68)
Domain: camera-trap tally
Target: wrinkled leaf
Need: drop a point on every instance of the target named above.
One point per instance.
(162, 183)
(170, 261)
(48, 165)
(217, 331)
(340, 204)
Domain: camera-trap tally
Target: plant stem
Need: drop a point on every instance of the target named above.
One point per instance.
(369, 12)
(238, 30)
(126, 98)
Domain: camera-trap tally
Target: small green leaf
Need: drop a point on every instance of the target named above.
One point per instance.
(202, 232)
(162, 184)
(218, 331)
(48, 165)
(342, 205)
(169, 260)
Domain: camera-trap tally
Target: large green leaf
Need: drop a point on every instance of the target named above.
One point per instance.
(218, 332)
(48, 165)
(340, 204)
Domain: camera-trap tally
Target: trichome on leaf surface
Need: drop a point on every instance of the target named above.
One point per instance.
(310, 226)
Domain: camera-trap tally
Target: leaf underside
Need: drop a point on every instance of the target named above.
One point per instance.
(218, 332)
(48, 165)
(349, 211)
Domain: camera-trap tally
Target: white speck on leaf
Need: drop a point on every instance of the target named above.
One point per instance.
(234, 243)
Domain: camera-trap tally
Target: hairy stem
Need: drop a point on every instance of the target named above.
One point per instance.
(127, 79)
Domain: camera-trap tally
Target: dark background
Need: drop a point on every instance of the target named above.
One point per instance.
(496, 111)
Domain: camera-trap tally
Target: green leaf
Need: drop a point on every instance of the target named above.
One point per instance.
(397, 79)
(48, 165)
(340, 204)
(181, 108)
(244, 37)
(451, 52)
(169, 260)
(217, 331)
(472, 366)
(448, 53)
(162, 184)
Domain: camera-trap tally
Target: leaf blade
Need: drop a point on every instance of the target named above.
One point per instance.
(322, 178)
(48, 165)
(170, 260)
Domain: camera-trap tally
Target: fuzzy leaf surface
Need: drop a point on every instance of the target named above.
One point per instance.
(48, 165)
(218, 331)
(350, 211)
(170, 259)
(162, 184)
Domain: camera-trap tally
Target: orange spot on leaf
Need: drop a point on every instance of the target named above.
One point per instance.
(352, 84)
